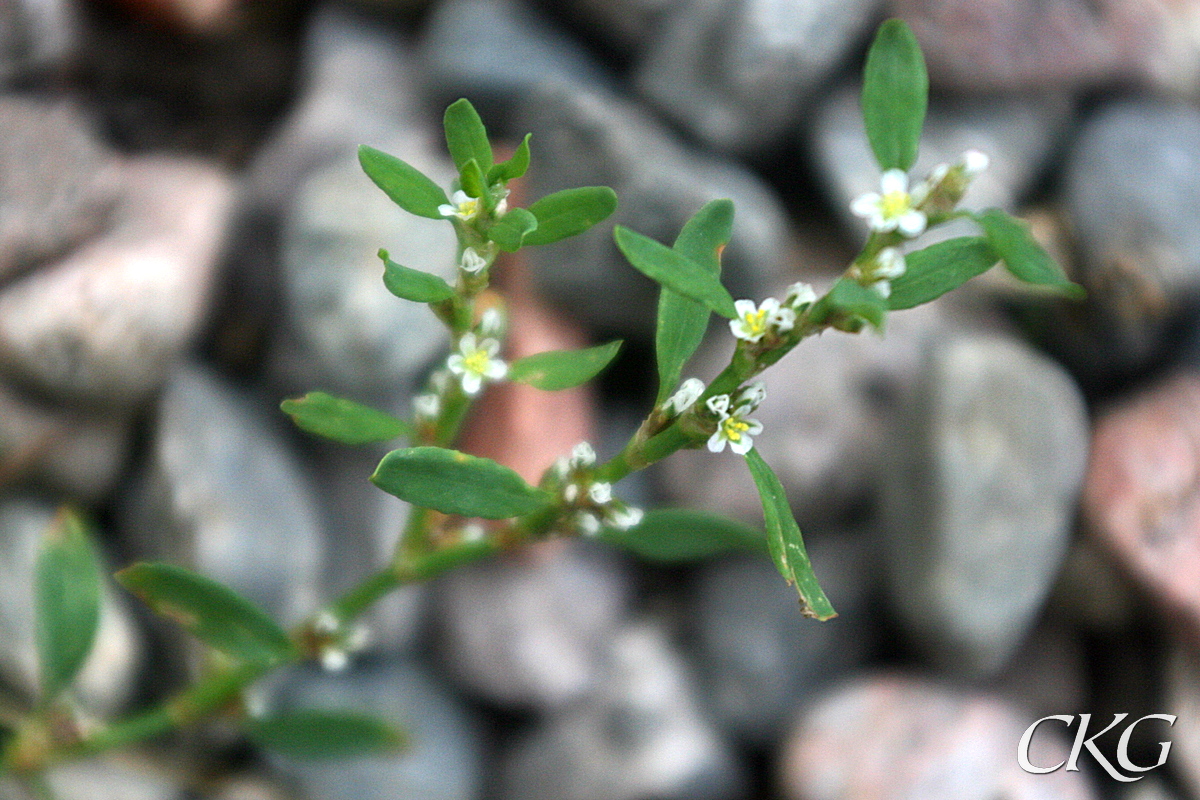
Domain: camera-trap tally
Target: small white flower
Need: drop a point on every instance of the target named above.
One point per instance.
(582, 455)
(974, 162)
(427, 406)
(358, 639)
(334, 659)
(326, 623)
(719, 404)
(734, 428)
(471, 261)
(893, 208)
(461, 205)
(625, 518)
(571, 492)
(751, 397)
(474, 362)
(501, 200)
(800, 295)
(472, 532)
(440, 381)
(600, 493)
(588, 523)
(883, 288)
(754, 322)
(685, 396)
(889, 264)
(491, 322)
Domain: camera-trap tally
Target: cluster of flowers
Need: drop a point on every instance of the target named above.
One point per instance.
(595, 506)
(734, 426)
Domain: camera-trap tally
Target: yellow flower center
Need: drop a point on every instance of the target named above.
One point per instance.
(734, 427)
(755, 321)
(477, 361)
(893, 204)
(468, 208)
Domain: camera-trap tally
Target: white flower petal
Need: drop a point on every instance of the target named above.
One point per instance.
(495, 370)
(472, 262)
(974, 162)
(742, 446)
(582, 455)
(466, 345)
(447, 210)
(894, 180)
(719, 405)
(455, 364)
(801, 294)
(752, 396)
(883, 288)
(600, 493)
(472, 382)
(716, 442)
(912, 223)
(755, 428)
(460, 197)
(889, 263)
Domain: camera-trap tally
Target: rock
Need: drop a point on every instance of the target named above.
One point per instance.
(223, 496)
(736, 73)
(106, 682)
(1006, 45)
(624, 25)
(895, 738)
(759, 658)
(35, 35)
(444, 761)
(980, 492)
(1018, 134)
(1140, 501)
(106, 324)
(248, 787)
(194, 16)
(1182, 680)
(590, 138)
(58, 183)
(1150, 789)
(1049, 673)
(638, 735)
(115, 778)
(1092, 592)
(496, 52)
(78, 452)
(530, 629)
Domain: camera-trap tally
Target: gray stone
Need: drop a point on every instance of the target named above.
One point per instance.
(638, 735)
(35, 35)
(1152, 788)
(981, 485)
(736, 73)
(530, 630)
(444, 761)
(57, 182)
(591, 138)
(117, 777)
(1182, 687)
(625, 25)
(222, 495)
(1019, 134)
(895, 738)
(78, 452)
(106, 324)
(496, 52)
(106, 681)
(1048, 674)
(758, 656)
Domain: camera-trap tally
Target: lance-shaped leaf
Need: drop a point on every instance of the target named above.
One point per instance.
(515, 167)
(784, 540)
(563, 369)
(456, 483)
(682, 321)
(931, 272)
(466, 137)
(570, 212)
(510, 232)
(894, 95)
(412, 284)
(675, 534)
(67, 589)
(850, 300)
(472, 179)
(1022, 255)
(674, 271)
(318, 734)
(214, 614)
(407, 186)
(343, 420)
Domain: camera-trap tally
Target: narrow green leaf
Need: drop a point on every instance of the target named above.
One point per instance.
(682, 321)
(570, 212)
(412, 284)
(315, 734)
(67, 588)
(466, 137)
(676, 534)
(408, 187)
(931, 272)
(1021, 253)
(785, 542)
(472, 179)
(515, 167)
(343, 420)
(456, 483)
(213, 613)
(895, 95)
(512, 229)
(674, 271)
(847, 301)
(563, 369)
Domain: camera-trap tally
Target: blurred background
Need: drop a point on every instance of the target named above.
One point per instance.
(1001, 496)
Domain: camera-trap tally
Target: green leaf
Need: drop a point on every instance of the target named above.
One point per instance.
(213, 613)
(456, 483)
(343, 420)
(848, 301)
(563, 369)
(570, 212)
(67, 588)
(472, 179)
(466, 137)
(682, 321)
(515, 167)
(935, 270)
(1022, 255)
(512, 229)
(894, 96)
(676, 534)
(674, 271)
(785, 542)
(412, 284)
(314, 734)
(408, 187)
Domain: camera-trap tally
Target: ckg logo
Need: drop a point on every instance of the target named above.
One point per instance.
(1131, 771)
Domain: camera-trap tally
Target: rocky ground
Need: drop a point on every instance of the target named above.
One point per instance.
(1001, 495)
